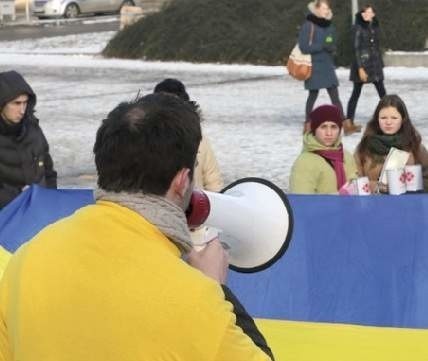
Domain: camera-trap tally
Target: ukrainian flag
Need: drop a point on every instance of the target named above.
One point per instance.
(353, 284)
(32, 210)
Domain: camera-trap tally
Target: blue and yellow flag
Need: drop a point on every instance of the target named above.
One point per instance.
(31, 211)
(353, 284)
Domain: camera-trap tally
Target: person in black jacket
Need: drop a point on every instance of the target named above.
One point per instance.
(367, 66)
(24, 150)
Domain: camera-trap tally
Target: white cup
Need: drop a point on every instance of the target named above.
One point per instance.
(348, 189)
(414, 182)
(362, 186)
(396, 179)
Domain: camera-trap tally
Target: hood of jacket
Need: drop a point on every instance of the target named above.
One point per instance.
(12, 85)
(312, 11)
(311, 144)
(365, 24)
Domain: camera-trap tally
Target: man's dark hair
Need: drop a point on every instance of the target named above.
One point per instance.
(142, 145)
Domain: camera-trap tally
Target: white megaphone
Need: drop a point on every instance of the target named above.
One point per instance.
(254, 220)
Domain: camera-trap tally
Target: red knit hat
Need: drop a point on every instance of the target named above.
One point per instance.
(325, 113)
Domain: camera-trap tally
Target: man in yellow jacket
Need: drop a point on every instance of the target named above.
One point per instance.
(110, 282)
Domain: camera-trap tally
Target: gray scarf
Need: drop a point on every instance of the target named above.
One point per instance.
(157, 210)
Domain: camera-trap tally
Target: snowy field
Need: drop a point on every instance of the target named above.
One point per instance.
(253, 115)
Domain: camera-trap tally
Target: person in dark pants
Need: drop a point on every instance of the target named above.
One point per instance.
(317, 37)
(367, 66)
(24, 150)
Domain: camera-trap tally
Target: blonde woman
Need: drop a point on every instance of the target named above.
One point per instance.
(317, 37)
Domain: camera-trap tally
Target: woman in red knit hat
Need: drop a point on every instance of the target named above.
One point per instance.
(323, 166)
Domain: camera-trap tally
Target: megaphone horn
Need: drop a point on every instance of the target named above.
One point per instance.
(254, 218)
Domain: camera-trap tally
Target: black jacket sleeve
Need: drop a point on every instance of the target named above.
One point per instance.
(361, 56)
(50, 173)
(246, 322)
(7, 194)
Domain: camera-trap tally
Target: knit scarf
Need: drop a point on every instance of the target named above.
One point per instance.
(379, 145)
(335, 158)
(157, 210)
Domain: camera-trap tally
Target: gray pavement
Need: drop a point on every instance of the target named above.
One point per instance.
(40, 29)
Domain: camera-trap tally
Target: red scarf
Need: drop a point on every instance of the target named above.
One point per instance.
(335, 159)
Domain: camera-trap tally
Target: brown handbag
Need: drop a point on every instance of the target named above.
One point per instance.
(299, 65)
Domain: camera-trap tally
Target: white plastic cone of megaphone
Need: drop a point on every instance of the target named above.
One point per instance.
(254, 219)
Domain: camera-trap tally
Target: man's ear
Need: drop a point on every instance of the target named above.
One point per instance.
(179, 185)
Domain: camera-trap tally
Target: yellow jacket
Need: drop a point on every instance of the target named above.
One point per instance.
(104, 284)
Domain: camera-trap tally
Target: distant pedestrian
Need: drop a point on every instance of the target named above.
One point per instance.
(367, 66)
(207, 171)
(24, 150)
(317, 37)
(324, 166)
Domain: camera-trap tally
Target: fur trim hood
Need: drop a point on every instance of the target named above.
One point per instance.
(311, 8)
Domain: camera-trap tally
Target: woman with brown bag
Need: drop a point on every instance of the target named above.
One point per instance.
(317, 37)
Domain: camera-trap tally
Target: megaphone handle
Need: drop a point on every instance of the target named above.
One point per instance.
(202, 236)
(200, 247)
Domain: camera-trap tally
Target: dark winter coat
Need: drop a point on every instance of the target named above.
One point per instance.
(24, 150)
(321, 49)
(367, 53)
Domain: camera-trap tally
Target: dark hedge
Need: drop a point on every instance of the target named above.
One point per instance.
(255, 31)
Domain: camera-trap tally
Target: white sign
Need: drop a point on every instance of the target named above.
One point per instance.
(7, 8)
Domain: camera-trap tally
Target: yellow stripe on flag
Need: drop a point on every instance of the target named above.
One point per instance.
(306, 341)
(4, 259)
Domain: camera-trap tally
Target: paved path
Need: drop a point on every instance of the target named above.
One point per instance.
(53, 28)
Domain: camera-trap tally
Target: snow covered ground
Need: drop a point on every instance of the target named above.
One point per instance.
(253, 115)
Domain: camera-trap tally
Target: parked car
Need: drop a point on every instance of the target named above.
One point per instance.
(73, 8)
